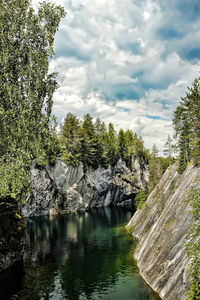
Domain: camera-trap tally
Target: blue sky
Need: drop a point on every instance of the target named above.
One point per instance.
(127, 62)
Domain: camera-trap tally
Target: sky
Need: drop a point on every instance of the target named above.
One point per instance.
(126, 61)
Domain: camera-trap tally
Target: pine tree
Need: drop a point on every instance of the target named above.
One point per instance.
(90, 146)
(102, 142)
(128, 138)
(110, 152)
(192, 102)
(155, 151)
(140, 151)
(130, 146)
(97, 126)
(71, 140)
(168, 147)
(186, 123)
(121, 145)
(155, 169)
(95, 145)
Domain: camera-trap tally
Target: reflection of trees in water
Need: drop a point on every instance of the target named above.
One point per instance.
(93, 268)
(47, 238)
(44, 240)
(82, 247)
(77, 254)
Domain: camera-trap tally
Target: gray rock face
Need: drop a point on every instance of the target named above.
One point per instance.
(160, 228)
(44, 194)
(61, 188)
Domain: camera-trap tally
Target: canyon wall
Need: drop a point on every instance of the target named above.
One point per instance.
(160, 228)
(61, 188)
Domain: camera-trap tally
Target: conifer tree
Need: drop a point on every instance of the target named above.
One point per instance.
(128, 138)
(130, 147)
(111, 147)
(155, 151)
(121, 145)
(71, 140)
(94, 144)
(90, 143)
(168, 147)
(139, 150)
(186, 123)
(100, 131)
(97, 126)
(102, 142)
(155, 170)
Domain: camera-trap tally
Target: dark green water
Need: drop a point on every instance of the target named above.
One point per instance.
(77, 256)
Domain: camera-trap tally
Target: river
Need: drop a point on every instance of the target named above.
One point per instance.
(81, 256)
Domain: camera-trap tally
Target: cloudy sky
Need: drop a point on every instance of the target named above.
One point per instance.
(127, 62)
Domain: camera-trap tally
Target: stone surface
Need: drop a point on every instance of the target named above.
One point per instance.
(61, 188)
(160, 228)
(44, 195)
(11, 240)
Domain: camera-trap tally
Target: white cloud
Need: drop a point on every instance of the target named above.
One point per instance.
(126, 114)
(146, 15)
(111, 53)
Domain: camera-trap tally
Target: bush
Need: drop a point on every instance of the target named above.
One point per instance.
(140, 199)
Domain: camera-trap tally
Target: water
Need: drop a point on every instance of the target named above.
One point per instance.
(77, 256)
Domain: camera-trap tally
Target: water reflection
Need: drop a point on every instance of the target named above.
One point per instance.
(78, 256)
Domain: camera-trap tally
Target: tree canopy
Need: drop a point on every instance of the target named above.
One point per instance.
(95, 144)
(186, 123)
(26, 90)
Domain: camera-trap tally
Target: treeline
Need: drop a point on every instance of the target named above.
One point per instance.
(186, 123)
(95, 144)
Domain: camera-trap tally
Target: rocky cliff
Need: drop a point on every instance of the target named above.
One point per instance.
(160, 227)
(61, 188)
(11, 240)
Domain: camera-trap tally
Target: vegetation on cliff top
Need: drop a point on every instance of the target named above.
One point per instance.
(96, 145)
(186, 123)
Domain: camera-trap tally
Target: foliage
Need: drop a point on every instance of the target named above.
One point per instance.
(49, 148)
(90, 146)
(169, 147)
(70, 140)
(136, 149)
(173, 185)
(186, 123)
(121, 146)
(110, 152)
(140, 199)
(26, 90)
(157, 167)
(96, 145)
(155, 151)
(165, 162)
(193, 245)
